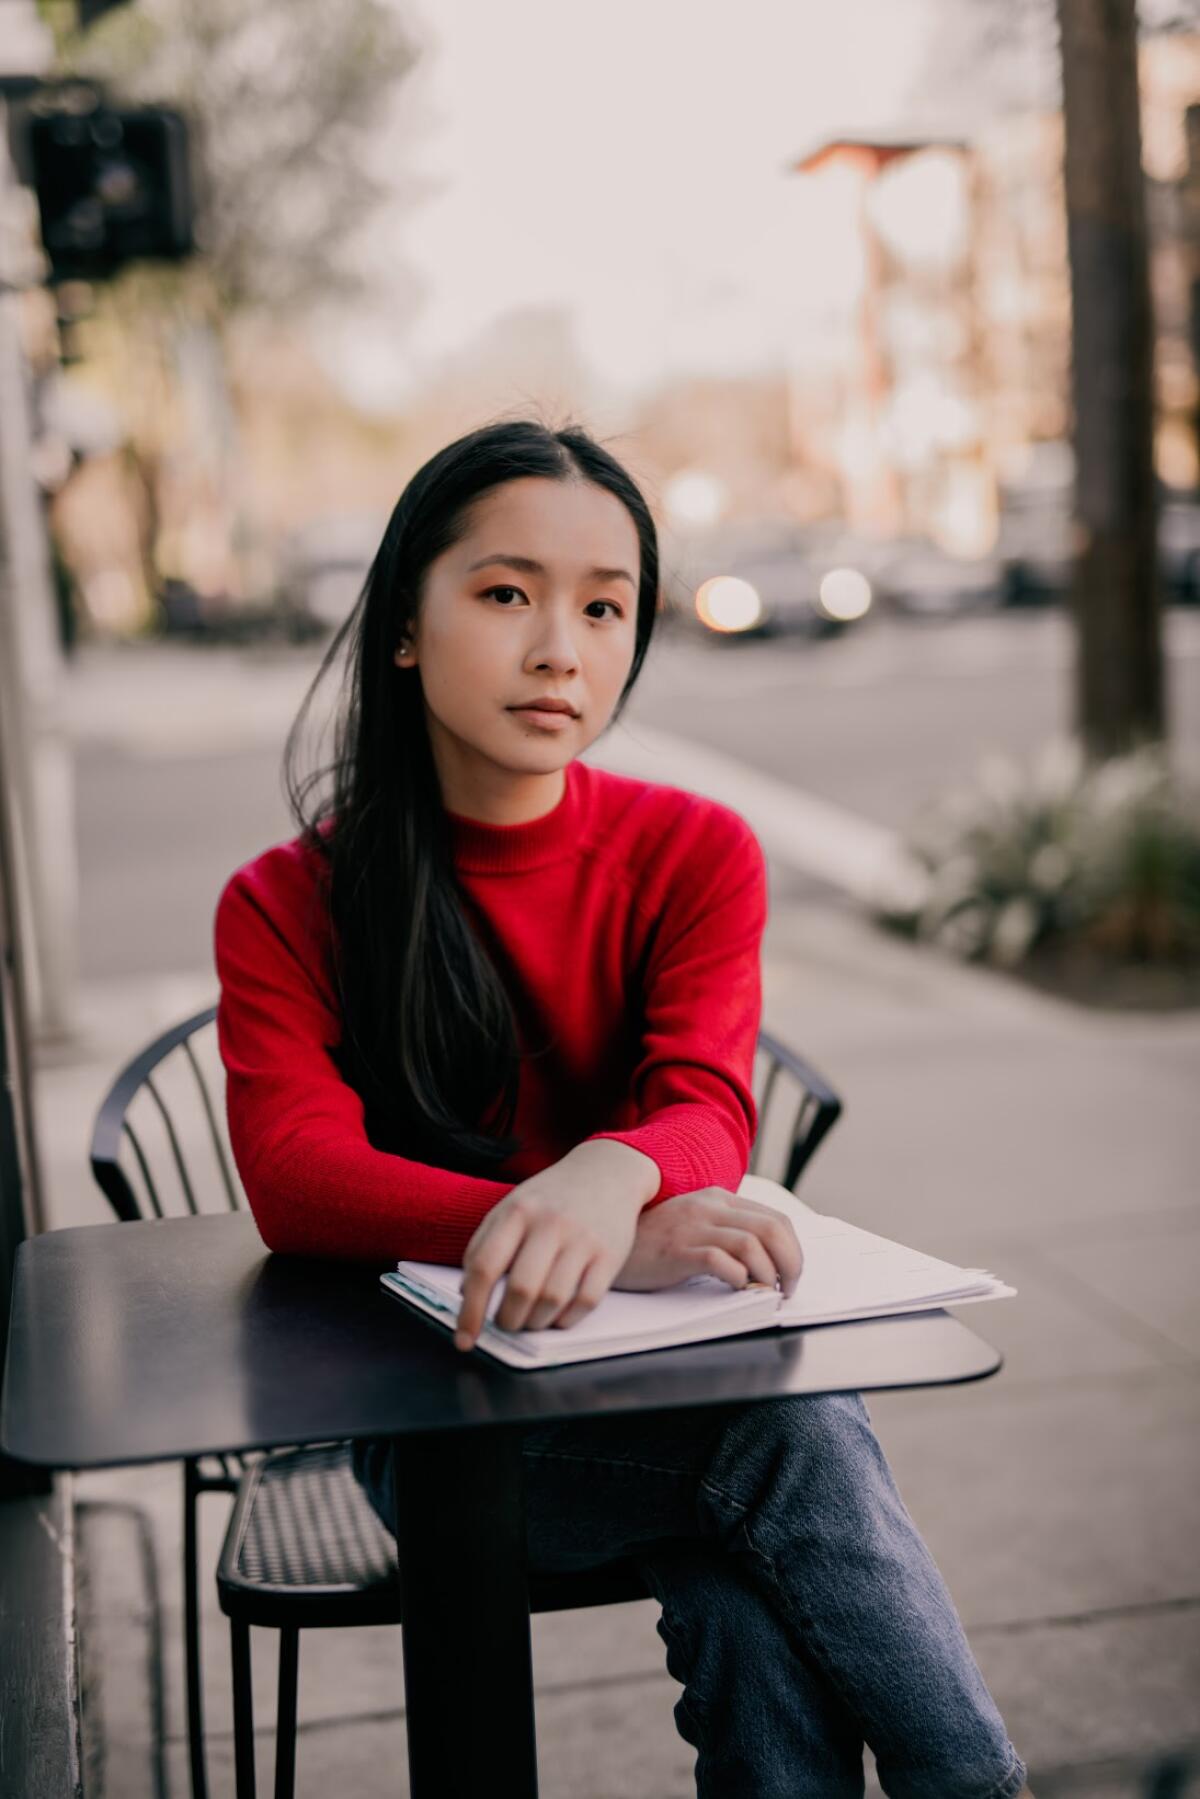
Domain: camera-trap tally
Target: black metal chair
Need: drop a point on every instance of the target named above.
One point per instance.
(304, 1548)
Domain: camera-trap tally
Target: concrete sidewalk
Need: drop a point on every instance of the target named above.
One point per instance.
(984, 1123)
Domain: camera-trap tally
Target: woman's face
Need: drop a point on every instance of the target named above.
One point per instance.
(537, 601)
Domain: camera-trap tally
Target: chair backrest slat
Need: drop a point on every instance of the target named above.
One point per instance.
(160, 1119)
(764, 1107)
(213, 1132)
(817, 1110)
(173, 1140)
(143, 1164)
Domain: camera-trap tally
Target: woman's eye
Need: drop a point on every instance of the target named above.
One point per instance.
(494, 592)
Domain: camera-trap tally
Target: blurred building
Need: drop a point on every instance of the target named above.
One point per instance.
(715, 446)
(932, 347)
(886, 395)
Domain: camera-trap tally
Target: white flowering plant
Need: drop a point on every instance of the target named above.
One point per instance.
(1104, 856)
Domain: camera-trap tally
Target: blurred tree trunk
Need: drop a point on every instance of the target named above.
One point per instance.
(1119, 682)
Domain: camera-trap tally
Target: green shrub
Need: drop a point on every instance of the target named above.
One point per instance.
(1105, 856)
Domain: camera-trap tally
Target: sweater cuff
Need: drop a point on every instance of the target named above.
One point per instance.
(691, 1154)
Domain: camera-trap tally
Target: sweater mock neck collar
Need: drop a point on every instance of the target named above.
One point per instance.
(481, 848)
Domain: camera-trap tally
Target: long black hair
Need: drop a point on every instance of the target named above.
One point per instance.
(429, 1035)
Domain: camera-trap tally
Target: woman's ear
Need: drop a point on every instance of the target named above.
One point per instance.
(403, 655)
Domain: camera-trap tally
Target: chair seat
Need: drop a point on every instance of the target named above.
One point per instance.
(305, 1549)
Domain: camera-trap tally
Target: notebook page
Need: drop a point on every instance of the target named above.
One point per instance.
(847, 1269)
(692, 1305)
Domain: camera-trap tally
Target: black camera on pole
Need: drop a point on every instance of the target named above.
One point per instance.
(112, 184)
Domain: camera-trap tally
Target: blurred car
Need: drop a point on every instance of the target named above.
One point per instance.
(916, 577)
(182, 611)
(1037, 553)
(1035, 546)
(767, 579)
(322, 590)
(1179, 548)
(324, 565)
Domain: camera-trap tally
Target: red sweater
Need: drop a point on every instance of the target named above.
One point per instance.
(626, 923)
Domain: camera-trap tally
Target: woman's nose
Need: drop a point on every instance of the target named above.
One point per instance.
(554, 644)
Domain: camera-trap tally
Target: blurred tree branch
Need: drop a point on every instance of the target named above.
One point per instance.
(287, 103)
(285, 100)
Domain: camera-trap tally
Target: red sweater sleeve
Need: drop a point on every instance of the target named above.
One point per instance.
(315, 1184)
(693, 1086)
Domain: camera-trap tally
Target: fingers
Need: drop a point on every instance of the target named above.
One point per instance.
(488, 1254)
(746, 1247)
(710, 1259)
(778, 1236)
(592, 1288)
(560, 1286)
(526, 1278)
(540, 1274)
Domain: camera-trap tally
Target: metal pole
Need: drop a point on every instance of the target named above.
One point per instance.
(20, 1164)
(39, 767)
(20, 1185)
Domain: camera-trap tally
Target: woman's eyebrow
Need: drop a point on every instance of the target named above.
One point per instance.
(528, 566)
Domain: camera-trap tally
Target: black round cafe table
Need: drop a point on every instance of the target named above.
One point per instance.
(181, 1337)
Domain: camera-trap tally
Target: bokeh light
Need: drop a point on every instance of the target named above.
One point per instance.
(727, 603)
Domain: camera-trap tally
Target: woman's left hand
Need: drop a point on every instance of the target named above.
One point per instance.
(558, 1237)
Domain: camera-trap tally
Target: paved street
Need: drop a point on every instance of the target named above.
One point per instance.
(178, 776)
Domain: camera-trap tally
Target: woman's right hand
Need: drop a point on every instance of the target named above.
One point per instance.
(711, 1232)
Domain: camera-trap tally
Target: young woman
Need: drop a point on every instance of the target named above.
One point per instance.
(498, 1008)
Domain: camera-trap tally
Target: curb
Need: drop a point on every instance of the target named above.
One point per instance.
(801, 832)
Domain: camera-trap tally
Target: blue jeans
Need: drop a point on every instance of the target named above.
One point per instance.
(801, 1610)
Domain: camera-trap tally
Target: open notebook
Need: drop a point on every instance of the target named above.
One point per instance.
(848, 1273)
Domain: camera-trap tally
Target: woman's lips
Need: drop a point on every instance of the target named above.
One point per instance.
(546, 721)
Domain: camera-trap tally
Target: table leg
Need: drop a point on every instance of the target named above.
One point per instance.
(468, 1669)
